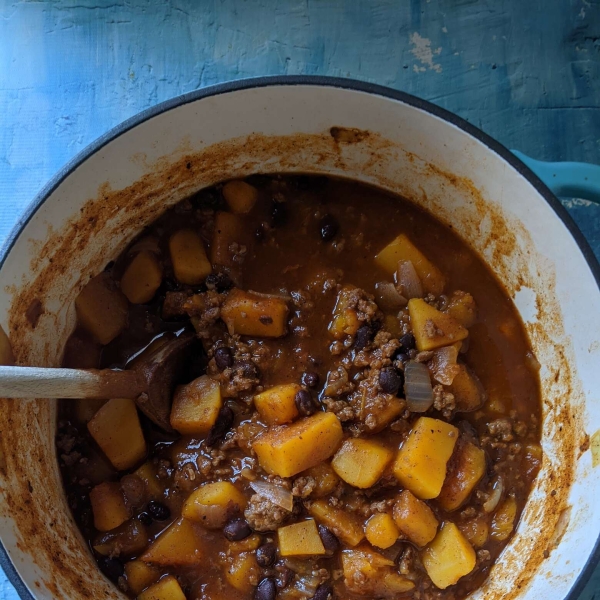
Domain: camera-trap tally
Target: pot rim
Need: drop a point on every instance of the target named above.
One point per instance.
(304, 80)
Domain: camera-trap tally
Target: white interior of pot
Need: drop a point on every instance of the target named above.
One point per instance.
(544, 271)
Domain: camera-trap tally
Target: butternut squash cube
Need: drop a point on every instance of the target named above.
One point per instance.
(139, 575)
(241, 570)
(147, 473)
(102, 309)
(108, 506)
(229, 230)
(6, 354)
(467, 467)
(116, 429)
(177, 545)
(421, 462)
(388, 408)
(141, 278)
(325, 478)
(381, 531)
(346, 526)
(433, 329)
(190, 263)
(345, 319)
(402, 248)
(300, 539)
(196, 406)
(361, 462)
(503, 522)
(462, 307)
(212, 504)
(476, 531)
(467, 389)
(277, 405)
(415, 519)
(377, 575)
(240, 196)
(167, 588)
(288, 449)
(449, 557)
(251, 543)
(246, 313)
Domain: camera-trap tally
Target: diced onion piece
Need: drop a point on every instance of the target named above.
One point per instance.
(417, 387)
(409, 284)
(388, 297)
(276, 494)
(443, 364)
(492, 502)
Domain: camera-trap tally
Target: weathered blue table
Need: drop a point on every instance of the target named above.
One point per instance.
(526, 72)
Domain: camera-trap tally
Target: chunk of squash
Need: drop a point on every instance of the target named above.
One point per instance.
(116, 429)
(177, 545)
(241, 570)
(346, 526)
(345, 319)
(503, 522)
(381, 531)
(108, 506)
(6, 353)
(462, 307)
(467, 467)
(401, 248)
(147, 473)
(415, 519)
(246, 313)
(102, 309)
(433, 329)
(139, 575)
(300, 539)
(188, 257)
(467, 390)
(240, 196)
(196, 406)
(476, 530)
(167, 588)
(141, 278)
(213, 504)
(288, 449)
(277, 405)
(449, 557)
(421, 462)
(229, 229)
(252, 542)
(325, 478)
(368, 573)
(361, 462)
(388, 408)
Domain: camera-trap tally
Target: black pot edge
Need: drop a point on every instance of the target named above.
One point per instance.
(338, 82)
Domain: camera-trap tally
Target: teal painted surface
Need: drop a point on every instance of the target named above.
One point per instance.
(526, 72)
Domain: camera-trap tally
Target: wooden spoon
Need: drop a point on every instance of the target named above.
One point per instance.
(150, 382)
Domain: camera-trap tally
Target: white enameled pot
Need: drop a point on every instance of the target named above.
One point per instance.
(93, 208)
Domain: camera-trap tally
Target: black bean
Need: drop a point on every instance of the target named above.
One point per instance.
(328, 227)
(407, 342)
(223, 358)
(266, 555)
(266, 590)
(145, 518)
(218, 281)
(279, 213)
(402, 357)
(390, 380)
(363, 336)
(324, 592)
(329, 539)
(158, 510)
(310, 379)
(237, 530)
(304, 403)
(222, 426)
(259, 233)
(111, 567)
(248, 369)
(284, 577)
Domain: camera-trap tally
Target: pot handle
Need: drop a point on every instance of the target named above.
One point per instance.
(566, 179)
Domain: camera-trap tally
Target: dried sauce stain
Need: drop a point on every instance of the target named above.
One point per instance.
(595, 445)
(107, 223)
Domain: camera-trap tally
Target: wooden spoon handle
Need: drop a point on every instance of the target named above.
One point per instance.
(37, 382)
